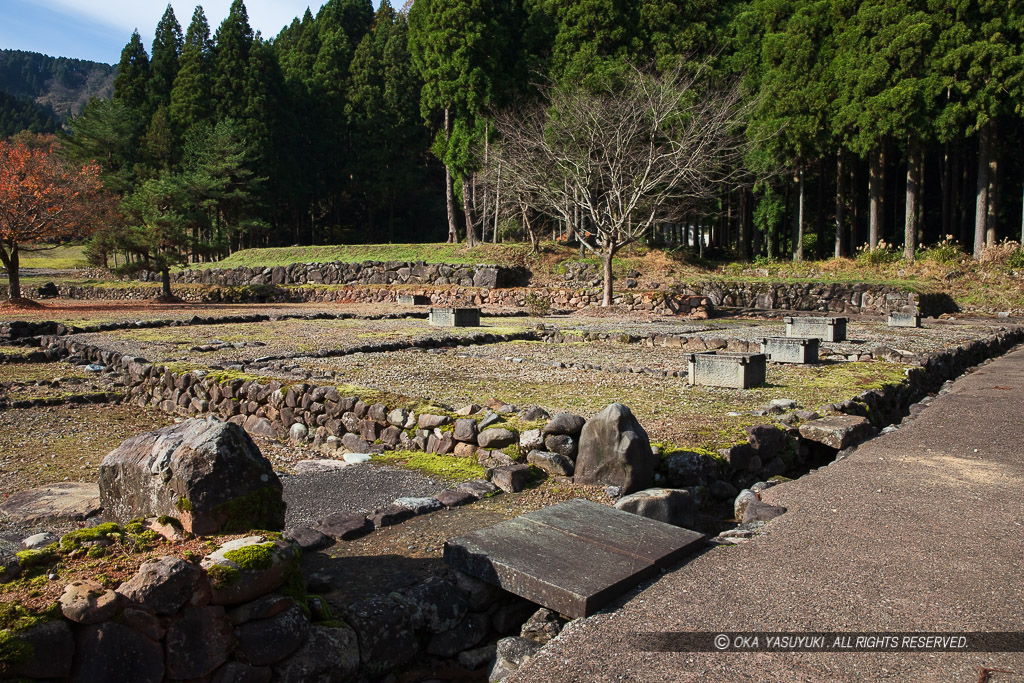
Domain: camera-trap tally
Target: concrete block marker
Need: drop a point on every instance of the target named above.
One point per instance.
(825, 329)
(539, 555)
(799, 350)
(413, 300)
(455, 317)
(730, 370)
(897, 319)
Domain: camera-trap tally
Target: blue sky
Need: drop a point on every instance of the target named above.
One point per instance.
(98, 29)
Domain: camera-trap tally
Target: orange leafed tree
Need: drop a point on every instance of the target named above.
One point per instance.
(43, 200)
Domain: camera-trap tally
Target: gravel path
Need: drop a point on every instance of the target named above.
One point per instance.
(359, 488)
(918, 530)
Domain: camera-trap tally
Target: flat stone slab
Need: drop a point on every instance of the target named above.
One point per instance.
(63, 502)
(573, 557)
(318, 466)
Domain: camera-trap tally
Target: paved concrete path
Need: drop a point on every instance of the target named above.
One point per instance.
(921, 529)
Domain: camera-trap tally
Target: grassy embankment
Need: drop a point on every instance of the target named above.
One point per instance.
(996, 284)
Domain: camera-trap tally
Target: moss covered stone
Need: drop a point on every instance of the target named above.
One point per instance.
(254, 557)
(222, 576)
(73, 540)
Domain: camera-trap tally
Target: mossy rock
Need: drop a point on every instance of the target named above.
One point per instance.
(247, 568)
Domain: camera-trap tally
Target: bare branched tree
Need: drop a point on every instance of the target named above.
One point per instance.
(612, 163)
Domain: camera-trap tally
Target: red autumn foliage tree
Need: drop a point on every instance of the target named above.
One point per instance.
(43, 200)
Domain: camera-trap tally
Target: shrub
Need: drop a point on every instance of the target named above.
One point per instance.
(1007, 254)
(947, 252)
(880, 255)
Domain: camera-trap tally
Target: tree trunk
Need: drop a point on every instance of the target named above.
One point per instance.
(992, 220)
(606, 261)
(876, 189)
(798, 226)
(913, 189)
(467, 207)
(982, 199)
(946, 185)
(741, 235)
(453, 234)
(497, 208)
(840, 204)
(487, 194)
(165, 281)
(12, 262)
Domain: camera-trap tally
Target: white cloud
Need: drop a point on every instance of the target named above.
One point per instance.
(268, 16)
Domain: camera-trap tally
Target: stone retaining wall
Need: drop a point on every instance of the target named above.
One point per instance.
(696, 300)
(176, 620)
(337, 273)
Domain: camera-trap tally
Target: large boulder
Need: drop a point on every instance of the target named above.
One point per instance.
(614, 451)
(208, 474)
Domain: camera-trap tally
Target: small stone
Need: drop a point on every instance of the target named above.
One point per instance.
(427, 421)
(511, 478)
(488, 420)
(552, 463)
(745, 498)
(345, 526)
(759, 511)
(478, 487)
(542, 626)
(419, 506)
(164, 585)
(357, 458)
(535, 413)
(239, 580)
(298, 432)
(497, 438)
(516, 651)
(306, 538)
(451, 499)
(477, 658)
(531, 440)
(390, 516)
(564, 423)
(87, 602)
(39, 541)
(466, 411)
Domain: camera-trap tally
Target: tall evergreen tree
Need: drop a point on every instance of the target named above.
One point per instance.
(191, 102)
(461, 50)
(131, 86)
(234, 40)
(163, 67)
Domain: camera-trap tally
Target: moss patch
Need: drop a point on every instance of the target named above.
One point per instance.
(73, 540)
(446, 466)
(222, 576)
(255, 557)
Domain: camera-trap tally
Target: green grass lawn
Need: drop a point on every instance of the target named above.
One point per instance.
(57, 258)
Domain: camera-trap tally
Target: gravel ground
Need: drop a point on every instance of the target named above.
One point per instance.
(279, 338)
(358, 488)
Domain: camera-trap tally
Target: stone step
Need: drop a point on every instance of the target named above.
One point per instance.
(574, 557)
